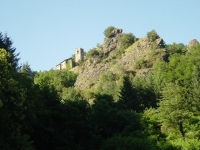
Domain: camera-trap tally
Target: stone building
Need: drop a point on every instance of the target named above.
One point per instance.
(79, 55)
(63, 64)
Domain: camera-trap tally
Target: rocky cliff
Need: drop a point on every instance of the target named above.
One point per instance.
(112, 42)
(137, 58)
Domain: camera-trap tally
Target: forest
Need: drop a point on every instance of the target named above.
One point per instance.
(159, 111)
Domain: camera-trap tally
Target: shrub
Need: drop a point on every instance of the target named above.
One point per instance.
(127, 40)
(140, 64)
(94, 53)
(108, 31)
(176, 48)
(88, 94)
(152, 35)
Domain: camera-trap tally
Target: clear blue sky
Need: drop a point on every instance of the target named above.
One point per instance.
(45, 32)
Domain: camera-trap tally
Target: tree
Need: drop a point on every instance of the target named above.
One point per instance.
(108, 31)
(152, 35)
(173, 110)
(176, 48)
(127, 40)
(71, 129)
(59, 79)
(26, 70)
(12, 98)
(6, 43)
(92, 53)
(138, 97)
(128, 98)
(107, 84)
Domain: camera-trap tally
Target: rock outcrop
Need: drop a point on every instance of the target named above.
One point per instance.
(111, 43)
(191, 44)
(160, 43)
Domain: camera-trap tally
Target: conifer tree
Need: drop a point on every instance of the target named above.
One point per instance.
(128, 96)
(6, 43)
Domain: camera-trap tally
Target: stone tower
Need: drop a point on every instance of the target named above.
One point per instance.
(79, 54)
(191, 44)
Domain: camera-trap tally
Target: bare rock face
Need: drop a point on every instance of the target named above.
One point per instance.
(111, 43)
(160, 43)
(115, 32)
(191, 44)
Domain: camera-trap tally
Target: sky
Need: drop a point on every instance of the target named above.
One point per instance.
(45, 32)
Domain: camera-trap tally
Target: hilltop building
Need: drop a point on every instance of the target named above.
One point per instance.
(79, 55)
(63, 64)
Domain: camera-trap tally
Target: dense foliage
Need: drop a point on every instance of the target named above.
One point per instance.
(152, 35)
(108, 31)
(127, 40)
(42, 110)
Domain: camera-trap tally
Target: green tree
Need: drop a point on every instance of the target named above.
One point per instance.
(108, 31)
(107, 84)
(12, 97)
(174, 108)
(179, 68)
(152, 35)
(59, 79)
(27, 71)
(176, 48)
(70, 93)
(6, 43)
(92, 53)
(127, 40)
(128, 98)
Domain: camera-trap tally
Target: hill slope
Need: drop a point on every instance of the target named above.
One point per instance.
(137, 59)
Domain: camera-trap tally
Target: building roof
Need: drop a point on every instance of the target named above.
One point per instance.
(63, 61)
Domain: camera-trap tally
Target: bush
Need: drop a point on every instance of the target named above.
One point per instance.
(94, 53)
(176, 48)
(140, 64)
(127, 40)
(152, 35)
(88, 94)
(108, 31)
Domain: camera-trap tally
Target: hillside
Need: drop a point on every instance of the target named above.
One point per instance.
(112, 57)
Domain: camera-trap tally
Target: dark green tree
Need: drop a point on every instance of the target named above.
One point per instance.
(6, 43)
(12, 106)
(128, 98)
